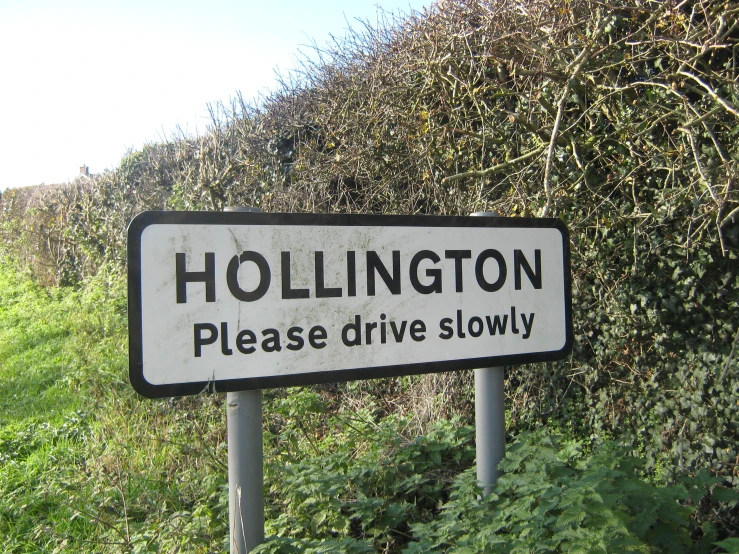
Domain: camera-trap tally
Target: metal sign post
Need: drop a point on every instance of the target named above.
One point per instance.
(245, 463)
(489, 424)
(245, 471)
(489, 417)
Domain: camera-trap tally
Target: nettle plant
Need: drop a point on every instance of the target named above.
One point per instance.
(353, 482)
(555, 496)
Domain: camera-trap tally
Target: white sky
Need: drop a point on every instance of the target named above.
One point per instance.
(83, 81)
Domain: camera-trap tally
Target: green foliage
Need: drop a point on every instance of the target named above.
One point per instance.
(553, 497)
(358, 478)
(729, 545)
(653, 351)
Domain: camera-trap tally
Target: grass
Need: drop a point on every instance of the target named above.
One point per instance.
(85, 464)
(32, 355)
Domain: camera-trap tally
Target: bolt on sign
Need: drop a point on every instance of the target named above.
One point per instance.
(237, 301)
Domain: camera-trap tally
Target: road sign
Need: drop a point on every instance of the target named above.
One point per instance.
(240, 301)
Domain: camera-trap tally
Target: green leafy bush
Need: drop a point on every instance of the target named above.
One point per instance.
(554, 497)
(353, 477)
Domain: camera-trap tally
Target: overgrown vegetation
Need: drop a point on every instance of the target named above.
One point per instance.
(87, 466)
(84, 465)
(619, 117)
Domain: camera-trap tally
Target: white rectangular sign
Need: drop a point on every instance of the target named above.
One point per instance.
(248, 300)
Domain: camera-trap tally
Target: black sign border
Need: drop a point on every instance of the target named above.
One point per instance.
(135, 313)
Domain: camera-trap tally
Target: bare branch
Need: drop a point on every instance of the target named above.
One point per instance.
(495, 168)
